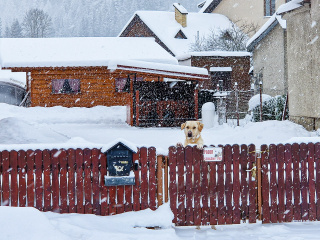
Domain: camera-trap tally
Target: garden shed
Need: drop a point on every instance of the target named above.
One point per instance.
(86, 72)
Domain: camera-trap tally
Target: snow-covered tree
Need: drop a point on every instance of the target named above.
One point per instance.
(37, 24)
(16, 29)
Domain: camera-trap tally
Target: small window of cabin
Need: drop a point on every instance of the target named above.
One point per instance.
(67, 86)
(269, 7)
(221, 78)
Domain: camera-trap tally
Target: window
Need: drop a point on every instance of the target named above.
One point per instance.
(68, 86)
(11, 94)
(269, 7)
(122, 84)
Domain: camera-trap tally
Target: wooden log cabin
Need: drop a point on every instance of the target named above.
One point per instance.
(86, 72)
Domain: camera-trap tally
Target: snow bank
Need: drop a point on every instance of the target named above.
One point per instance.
(255, 100)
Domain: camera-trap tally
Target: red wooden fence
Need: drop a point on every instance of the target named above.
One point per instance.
(201, 193)
(72, 181)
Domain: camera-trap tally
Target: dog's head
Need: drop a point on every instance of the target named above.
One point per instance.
(192, 128)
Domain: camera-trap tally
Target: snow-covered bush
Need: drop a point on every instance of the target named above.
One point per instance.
(272, 109)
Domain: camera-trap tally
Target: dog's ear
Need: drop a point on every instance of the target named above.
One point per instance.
(183, 125)
(200, 126)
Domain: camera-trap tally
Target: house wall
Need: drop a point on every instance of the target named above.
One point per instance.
(303, 65)
(269, 62)
(97, 87)
(137, 28)
(240, 69)
(248, 11)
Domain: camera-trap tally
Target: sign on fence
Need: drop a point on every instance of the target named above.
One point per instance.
(212, 154)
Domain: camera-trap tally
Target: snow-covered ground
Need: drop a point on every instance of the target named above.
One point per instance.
(23, 128)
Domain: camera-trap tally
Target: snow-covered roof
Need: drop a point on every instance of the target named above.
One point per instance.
(221, 54)
(165, 27)
(62, 52)
(16, 78)
(273, 21)
(180, 8)
(208, 6)
(221, 69)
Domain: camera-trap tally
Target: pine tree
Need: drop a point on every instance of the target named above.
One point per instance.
(16, 29)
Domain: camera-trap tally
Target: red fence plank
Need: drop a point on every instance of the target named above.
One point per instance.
(152, 178)
(55, 180)
(312, 182)
(244, 183)
(304, 182)
(317, 159)
(204, 191)
(79, 180)
(197, 214)
(181, 215)
(38, 180)
(63, 181)
(71, 180)
(296, 181)
(189, 185)
(281, 183)
(136, 187)
(95, 181)
(236, 184)
(5, 178)
(273, 183)
(265, 184)
(87, 180)
(46, 180)
(173, 182)
(30, 178)
(144, 178)
(22, 162)
(252, 185)
(221, 192)
(228, 183)
(103, 188)
(14, 178)
(289, 184)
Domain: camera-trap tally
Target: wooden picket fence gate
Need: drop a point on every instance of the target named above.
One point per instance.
(276, 183)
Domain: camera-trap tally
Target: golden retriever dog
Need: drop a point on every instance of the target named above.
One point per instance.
(192, 131)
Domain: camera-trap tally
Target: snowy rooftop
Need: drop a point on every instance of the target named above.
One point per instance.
(61, 52)
(164, 25)
(180, 8)
(13, 77)
(221, 54)
(206, 4)
(273, 21)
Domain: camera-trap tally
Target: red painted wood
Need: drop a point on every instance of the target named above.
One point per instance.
(317, 162)
(22, 162)
(71, 180)
(288, 184)
(296, 182)
(103, 188)
(312, 182)
(213, 194)
(55, 180)
(79, 180)
(273, 183)
(120, 199)
(304, 182)
(5, 178)
(38, 180)
(63, 181)
(189, 185)
(144, 178)
(112, 200)
(281, 183)
(252, 185)
(228, 183)
(30, 178)
(265, 184)
(136, 187)
(152, 158)
(87, 180)
(244, 182)
(46, 180)
(205, 191)
(197, 212)
(173, 182)
(14, 178)
(181, 214)
(221, 192)
(95, 181)
(236, 184)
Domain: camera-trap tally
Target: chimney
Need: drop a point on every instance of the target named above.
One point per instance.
(180, 14)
